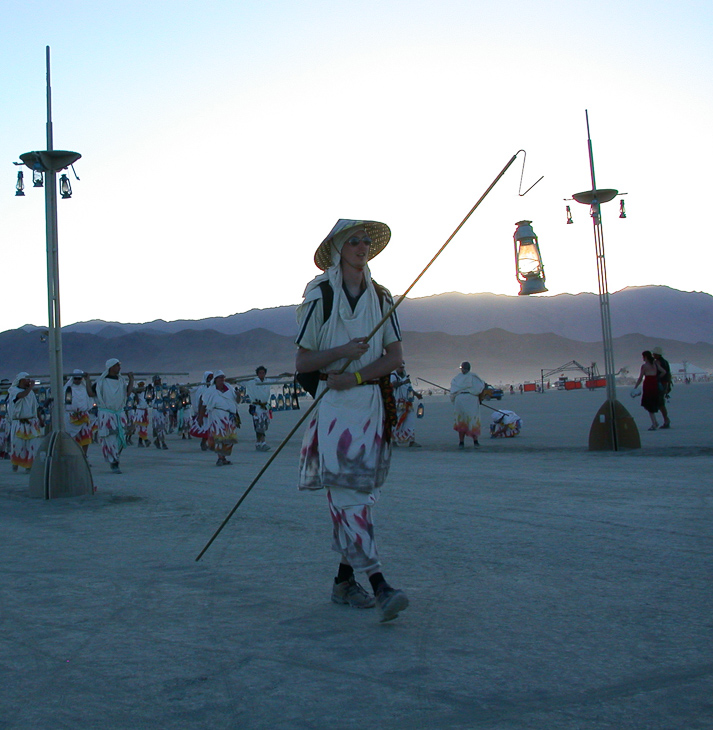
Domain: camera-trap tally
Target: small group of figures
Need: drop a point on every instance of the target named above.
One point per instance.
(467, 392)
(112, 412)
(216, 419)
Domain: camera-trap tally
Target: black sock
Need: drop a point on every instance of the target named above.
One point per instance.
(345, 572)
(377, 581)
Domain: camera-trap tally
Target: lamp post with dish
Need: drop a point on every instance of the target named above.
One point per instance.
(613, 428)
(60, 468)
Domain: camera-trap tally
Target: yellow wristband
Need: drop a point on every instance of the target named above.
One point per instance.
(357, 375)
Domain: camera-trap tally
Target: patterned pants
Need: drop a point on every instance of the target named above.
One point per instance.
(353, 533)
(111, 434)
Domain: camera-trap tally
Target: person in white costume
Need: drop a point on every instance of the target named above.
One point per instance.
(159, 414)
(467, 390)
(200, 431)
(346, 447)
(219, 407)
(78, 401)
(258, 391)
(25, 421)
(505, 424)
(405, 396)
(111, 391)
(141, 416)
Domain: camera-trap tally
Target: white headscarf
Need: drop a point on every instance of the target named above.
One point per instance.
(366, 315)
(25, 407)
(111, 394)
(18, 378)
(108, 365)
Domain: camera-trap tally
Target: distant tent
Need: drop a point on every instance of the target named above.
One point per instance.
(688, 369)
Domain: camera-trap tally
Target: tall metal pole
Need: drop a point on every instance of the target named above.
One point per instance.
(613, 427)
(60, 468)
(605, 311)
(54, 322)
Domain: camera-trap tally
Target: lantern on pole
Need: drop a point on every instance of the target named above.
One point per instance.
(37, 179)
(65, 189)
(529, 270)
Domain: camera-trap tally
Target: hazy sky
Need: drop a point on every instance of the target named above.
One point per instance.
(221, 141)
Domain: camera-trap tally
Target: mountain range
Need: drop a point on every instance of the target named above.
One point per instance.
(531, 335)
(655, 311)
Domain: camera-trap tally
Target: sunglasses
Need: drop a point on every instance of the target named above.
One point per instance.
(355, 241)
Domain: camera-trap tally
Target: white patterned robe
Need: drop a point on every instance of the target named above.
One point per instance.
(344, 448)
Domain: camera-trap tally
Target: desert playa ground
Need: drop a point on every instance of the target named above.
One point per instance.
(551, 587)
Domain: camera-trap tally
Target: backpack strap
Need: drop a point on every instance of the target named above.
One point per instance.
(327, 299)
(380, 292)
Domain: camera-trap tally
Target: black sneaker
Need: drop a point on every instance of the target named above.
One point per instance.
(390, 601)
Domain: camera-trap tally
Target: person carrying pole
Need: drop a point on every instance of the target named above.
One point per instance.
(351, 349)
(346, 447)
(467, 392)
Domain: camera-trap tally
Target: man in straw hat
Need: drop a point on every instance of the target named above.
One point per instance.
(346, 448)
(111, 391)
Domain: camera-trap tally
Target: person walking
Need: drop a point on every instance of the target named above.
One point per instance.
(141, 416)
(25, 422)
(111, 391)
(665, 384)
(200, 430)
(78, 401)
(258, 391)
(159, 414)
(346, 447)
(467, 390)
(219, 409)
(405, 395)
(650, 373)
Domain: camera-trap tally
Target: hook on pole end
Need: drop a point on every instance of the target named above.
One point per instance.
(522, 173)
